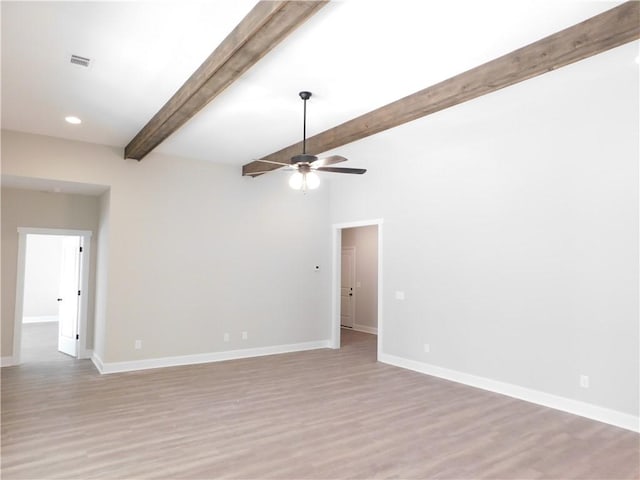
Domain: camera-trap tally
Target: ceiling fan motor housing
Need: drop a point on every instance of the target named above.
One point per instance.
(303, 158)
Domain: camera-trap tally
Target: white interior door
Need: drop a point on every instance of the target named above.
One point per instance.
(347, 300)
(68, 300)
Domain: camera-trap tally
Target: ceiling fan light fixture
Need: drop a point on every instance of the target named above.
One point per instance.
(312, 180)
(304, 181)
(296, 180)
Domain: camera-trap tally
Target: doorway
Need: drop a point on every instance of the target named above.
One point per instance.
(51, 295)
(357, 292)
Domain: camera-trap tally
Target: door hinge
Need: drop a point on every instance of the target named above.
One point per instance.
(77, 336)
(80, 249)
(78, 292)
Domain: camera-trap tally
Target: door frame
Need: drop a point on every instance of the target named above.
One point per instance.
(353, 279)
(336, 280)
(85, 260)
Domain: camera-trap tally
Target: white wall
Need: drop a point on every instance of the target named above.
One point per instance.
(42, 275)
(511, 222)
(194, 250)
(365, 241)
(102, 276)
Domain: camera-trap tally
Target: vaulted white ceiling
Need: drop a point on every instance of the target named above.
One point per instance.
(354, 55)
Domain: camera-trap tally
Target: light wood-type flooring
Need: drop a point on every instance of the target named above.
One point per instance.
(40, 343)
(323, 414)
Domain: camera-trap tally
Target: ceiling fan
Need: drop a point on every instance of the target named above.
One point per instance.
(305, 165)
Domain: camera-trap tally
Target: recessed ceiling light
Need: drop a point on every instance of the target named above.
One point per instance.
(73, 120)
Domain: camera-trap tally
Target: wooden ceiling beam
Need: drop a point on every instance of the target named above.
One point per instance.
(598, 34)
(266, 25)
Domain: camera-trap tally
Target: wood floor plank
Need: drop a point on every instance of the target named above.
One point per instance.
(317, 414)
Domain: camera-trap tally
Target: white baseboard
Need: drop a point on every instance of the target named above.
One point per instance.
(7, 361)
(365, 329)
(129, 366)
(97, 361)
(593, 412)
(40, 319)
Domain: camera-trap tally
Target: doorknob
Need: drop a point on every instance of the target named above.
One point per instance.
(59, 299)
(351, 294)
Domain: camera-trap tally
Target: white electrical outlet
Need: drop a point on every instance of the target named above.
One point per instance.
(399, 295)
(137, 344)
(245, 335)
(427, 348)
(584, 381)
(226, 337)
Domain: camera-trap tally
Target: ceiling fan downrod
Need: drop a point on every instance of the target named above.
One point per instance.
(304, 96)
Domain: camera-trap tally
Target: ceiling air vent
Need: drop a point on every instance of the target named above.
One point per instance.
(82, 61)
